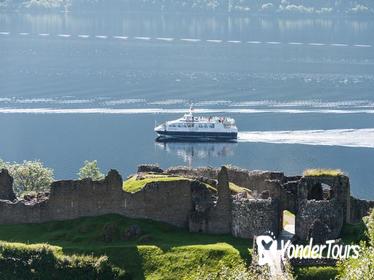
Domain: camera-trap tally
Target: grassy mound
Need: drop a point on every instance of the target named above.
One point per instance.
(160, 251)
(134, 184)
(323, 172)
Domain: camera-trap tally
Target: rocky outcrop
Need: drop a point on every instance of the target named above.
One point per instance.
(6, 186)
(154, 168)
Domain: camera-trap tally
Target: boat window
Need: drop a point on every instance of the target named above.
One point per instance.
(190, 125)
(211, 125)
(200, 125)
(179, 125)
(205, 125)
(184, 125)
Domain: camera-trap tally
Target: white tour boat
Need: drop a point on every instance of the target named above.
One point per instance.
(198, 127)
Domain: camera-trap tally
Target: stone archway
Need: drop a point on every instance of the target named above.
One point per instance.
(288, 220)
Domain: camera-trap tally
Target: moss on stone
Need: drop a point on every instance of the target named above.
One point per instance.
(322, 172)
(236, 189)
(134, 184)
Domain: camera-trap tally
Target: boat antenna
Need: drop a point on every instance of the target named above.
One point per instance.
(191, 108)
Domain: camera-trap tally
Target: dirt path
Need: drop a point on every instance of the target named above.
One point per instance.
(276, 265)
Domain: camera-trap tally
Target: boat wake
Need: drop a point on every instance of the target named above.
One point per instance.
(363, 138)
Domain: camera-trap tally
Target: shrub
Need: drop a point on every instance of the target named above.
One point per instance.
(363, 266)
(2, 164)
(238, 272)
(42, 261)
(111, 232)
(369, 221)
(90, 170)
(313, 272)
(29, 176)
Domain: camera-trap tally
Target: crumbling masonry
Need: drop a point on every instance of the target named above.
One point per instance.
(320, 203)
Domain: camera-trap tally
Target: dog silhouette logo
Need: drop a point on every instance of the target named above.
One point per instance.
(267, 245)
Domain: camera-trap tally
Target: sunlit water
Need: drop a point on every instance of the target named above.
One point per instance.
(92, 86)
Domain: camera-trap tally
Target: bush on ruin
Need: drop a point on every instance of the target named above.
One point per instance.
(363, 266)
(90, 170)
(29, 176)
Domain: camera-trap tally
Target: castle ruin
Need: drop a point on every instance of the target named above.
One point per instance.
(318, 202)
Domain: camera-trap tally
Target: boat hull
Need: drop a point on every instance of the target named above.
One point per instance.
(198, 135)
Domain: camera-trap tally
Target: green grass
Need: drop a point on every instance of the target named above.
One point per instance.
(43, 261)
(322, 172)
(170, 253)
(236, 189)
(353, 234)
(132, 185)
(316, 273)
(288, 218)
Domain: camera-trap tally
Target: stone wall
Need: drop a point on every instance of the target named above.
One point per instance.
(168, 201)
(253, 217)
(219, 216)
(329, 213)
(6, 183)
(359, 209)
(189, 203)
(257, 181)
(205, 172)
(312, 205)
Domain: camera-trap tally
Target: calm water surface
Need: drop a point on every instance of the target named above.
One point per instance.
(91, 86)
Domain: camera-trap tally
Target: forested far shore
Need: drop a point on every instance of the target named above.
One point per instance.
(282, 7)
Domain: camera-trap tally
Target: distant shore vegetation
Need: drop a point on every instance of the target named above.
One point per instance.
(281, 7)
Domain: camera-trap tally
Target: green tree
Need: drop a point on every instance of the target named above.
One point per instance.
(363, 266)
(2, 164)
(29, 176)
(90, 170)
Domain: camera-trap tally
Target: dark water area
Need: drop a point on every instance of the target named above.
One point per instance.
(91, 86)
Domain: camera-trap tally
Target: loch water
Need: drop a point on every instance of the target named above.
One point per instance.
(83, 86)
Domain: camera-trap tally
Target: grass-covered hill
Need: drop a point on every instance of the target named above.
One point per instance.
(143, 249)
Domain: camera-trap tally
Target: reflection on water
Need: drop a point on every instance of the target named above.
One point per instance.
(190, 151)
(203, 27)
